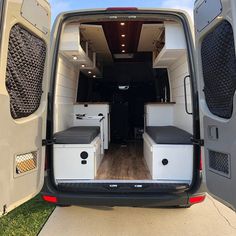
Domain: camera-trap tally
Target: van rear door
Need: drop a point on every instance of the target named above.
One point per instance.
(215, 31)
(24, 49)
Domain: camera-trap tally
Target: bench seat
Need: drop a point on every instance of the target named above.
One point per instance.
(77, 135)
(77, 153)
(168, 152)
(169, 135)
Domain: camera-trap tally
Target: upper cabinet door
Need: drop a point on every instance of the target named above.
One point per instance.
(215, 31)
(24, 82)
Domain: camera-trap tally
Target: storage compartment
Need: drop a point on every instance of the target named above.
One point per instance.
(168, 152)
(174, 46)
(77, 153)
(78, 49)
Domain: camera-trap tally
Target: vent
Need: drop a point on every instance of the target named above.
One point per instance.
(219, 163)
(26, 162)
(219, 70)
(25, 69)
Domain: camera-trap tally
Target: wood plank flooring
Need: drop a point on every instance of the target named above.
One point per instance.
(124, 163)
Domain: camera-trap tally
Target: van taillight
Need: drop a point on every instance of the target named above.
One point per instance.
(122, 9)
(51, 199)
(196, 199)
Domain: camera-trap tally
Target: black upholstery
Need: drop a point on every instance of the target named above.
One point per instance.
(77, 135)
(168, 135)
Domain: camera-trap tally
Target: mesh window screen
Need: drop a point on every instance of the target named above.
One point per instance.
(26, 162)
(219, 162)
(25, 68)
(219, 70)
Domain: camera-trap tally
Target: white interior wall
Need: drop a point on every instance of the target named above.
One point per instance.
(177, 71)
(66, 90)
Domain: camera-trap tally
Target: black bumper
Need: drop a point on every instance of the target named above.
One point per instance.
(140, 199)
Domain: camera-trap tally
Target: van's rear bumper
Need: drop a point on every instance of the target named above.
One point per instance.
(115, 199)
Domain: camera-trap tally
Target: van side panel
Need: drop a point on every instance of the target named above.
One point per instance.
(177, 72)
(66, 90)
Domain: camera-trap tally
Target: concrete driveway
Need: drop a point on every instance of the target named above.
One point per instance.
(208, 218)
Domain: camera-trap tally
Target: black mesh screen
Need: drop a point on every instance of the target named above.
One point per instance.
(25, 68)
(219, 69)
(219, 162)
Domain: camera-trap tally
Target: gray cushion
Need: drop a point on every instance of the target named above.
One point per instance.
(77, 135)
(168, 135)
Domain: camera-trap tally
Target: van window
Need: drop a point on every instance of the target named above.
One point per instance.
(147, 84)
(25, 68)
(219, 69)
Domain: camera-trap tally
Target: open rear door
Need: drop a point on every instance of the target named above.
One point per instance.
(215, 29)
(24, 48)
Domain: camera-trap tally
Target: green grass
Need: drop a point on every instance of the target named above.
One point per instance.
(26, 220)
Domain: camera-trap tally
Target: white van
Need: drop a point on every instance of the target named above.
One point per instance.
(119, 107)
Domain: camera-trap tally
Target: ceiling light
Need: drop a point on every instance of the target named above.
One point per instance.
(122, 23)
(75, 58)
(94, 76)
(123, 35)
(122, 45)
(89, 72)
(83, 65)
(123, 51)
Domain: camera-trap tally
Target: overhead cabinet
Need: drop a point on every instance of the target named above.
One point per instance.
(174, 46)
(78, 50)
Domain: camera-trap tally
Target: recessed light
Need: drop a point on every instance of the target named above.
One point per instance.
(89, 72)
(122, 23)
(123, 35)
(123, 51)
(75, 58)
(83, 65)
(122, 45)
(94, 76)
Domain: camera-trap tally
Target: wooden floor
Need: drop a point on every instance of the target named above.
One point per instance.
(124, 163)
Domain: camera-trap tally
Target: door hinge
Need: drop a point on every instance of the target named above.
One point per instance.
(48, 142)
(199, 142)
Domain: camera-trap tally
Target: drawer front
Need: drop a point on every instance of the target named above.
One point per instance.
(74, 163)
(173, 162)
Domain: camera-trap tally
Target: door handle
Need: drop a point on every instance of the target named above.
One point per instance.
(185, 95)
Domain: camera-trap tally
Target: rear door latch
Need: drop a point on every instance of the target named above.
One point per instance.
(199, 142)
(48, 142)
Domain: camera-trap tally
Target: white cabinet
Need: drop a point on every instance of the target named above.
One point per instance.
(159, 114)
(168, 162)
(174, 48)
(94, 109)
(76, 161)
(79, 51)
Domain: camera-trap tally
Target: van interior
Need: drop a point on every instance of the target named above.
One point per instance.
(122, 106)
